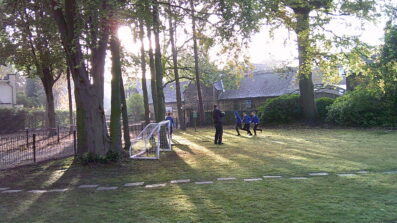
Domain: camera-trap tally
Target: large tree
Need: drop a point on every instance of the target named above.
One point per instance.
(85, 47)
(29, 40)
(308, 19)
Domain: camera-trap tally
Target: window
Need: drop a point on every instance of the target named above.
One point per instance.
(248, 104)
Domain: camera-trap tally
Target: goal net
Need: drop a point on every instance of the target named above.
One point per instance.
(155, 137)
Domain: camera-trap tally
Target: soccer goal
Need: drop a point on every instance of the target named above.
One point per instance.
(155, 137)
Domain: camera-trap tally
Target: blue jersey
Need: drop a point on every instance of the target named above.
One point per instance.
(255, 119)
(246, 119)
(169, 118)
(238, 118)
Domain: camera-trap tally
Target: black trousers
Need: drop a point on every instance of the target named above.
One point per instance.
(238, 126)
(256, 128)
(218, 133)
(247, 128)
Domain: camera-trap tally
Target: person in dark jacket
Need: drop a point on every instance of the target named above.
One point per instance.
(171, 124)
(238, 122)
(217, 116)
(247, 122)
(255, 120)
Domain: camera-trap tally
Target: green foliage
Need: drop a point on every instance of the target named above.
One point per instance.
(13, 120)
(89, 158)
(322, 105)
(283, 109)
(136, 107)
(361, 107)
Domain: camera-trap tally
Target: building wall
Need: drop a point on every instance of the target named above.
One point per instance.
(209, 95)
(8, 91)
(245, 104)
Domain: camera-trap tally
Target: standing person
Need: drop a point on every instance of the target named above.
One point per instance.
(238, 122)
(255, 120)
(247, 122)
(217, 116)
(171, 124)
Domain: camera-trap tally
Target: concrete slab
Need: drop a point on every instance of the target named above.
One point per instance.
(252, 179)
(362, 172)
(134, 184)
(38, 191)
(319, 174)
(107, 188)
(272, 177)
(4, 188)
(156, 185)
(180, 181)
(347, 174)
(204, 182)
(226, 178)
(10, 191)
(298, 178)
(58, 190)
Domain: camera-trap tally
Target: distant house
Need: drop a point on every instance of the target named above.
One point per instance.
(252, 92)
(8, 94)
(256, 89)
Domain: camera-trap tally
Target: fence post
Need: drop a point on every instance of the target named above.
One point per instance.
(74, 142)
(27, 138)
(58, 132)
(34, 147)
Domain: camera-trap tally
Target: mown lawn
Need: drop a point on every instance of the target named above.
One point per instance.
(290, 152)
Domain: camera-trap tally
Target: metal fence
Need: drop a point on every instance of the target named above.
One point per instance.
(35, 145)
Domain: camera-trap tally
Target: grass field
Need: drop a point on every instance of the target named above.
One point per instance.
(288, 152)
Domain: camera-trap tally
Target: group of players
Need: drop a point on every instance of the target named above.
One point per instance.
(241, 123)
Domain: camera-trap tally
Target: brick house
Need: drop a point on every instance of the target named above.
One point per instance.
(252, 92)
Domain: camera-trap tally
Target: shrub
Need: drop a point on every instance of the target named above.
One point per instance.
(360, 108)
(322, 104)
(283, 109)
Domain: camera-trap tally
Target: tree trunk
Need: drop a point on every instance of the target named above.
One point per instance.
(143, 67)
(305, 65)
(196, 65)
(115, 126)
(70, 99)
(153, 85)
(92, 134)
(126, 129)
(158, 64)
(48, 84)
(176, 72)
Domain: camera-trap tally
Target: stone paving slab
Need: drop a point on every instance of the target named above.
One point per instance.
(298, 178)
(204, 182)
(347, 174)
(89, 186)
(391, 172)
(319, 174)
(4, 188)
(107, 188)
(272, 177)
(155, 185)
(180, 181)
(134, 184)
(58, 190)
(11, 191)
(38, 191)
(362, 172)
(226, 178)
(252, 179)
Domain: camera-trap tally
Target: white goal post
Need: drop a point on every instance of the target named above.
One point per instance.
(155, 137)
